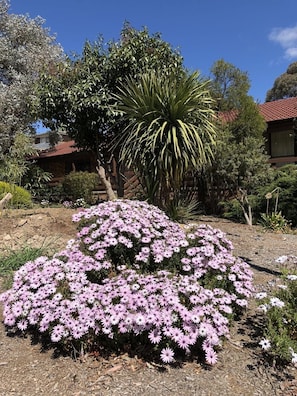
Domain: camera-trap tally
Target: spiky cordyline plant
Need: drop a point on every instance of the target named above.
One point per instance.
(170, 129)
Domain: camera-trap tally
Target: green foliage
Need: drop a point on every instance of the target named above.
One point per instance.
(231, 210)
(53, 194)
(279, 212)
(15, 260)
(285, 86)
(240, 161)
(80, 185)
(274, 222)
(183, 209)
(169, 131)
(77, 95)
(285, 179)
(237, 166)
(35, 180)
(280, 325)
(14, 164)
(20, 197)
(229, 84)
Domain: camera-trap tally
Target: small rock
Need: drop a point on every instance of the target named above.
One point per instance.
(21, 223)
(7, 237)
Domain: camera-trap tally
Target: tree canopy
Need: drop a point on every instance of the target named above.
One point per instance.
(25, 48)
(78, 94)
(285, 86)
(229, 85)
(240, 162)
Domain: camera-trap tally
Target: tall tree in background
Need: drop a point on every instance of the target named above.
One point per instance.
(170, 130)
(25, 48)
(285, 86)
(229, 85)
(78, 94)
(240, 162)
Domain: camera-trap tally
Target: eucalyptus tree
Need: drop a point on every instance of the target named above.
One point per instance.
(78, 95)
(284, 86)
(25, 48)
(229, 85)
(169, 130)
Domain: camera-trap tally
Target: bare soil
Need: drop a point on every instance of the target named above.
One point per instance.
(26, 369)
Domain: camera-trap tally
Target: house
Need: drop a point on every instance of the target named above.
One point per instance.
(281, 133)
(43, 142)
(64, 158)
(280, 115)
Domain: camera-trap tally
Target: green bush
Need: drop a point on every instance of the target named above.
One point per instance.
(36, 180)
(285, 178)
(21, 198)
(275, 222)
(80, 185)
(231, 210)
(52, 194)
(283, 191)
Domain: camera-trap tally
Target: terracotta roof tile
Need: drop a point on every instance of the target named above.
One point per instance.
(282, 109)
(62, 148)
(277, 110)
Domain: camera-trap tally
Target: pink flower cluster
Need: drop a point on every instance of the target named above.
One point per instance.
(73, 296)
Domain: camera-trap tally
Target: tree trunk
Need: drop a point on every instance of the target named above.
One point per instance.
(106, 182)
(4, 201)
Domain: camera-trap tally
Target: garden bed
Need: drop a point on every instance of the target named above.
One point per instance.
(240, 370)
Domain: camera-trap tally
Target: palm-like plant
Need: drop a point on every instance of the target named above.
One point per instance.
(170, 129)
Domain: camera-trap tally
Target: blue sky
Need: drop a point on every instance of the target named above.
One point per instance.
(257, 36)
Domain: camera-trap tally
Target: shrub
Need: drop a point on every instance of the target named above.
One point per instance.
(232, 210)
(20, 197)
(183, 208)
(275, 222)
(53, 194)
(35, 180)
(279, 309)
(80, 185)
(285, 179)
(130, 275)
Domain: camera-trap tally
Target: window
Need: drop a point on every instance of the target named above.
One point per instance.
(282, 144)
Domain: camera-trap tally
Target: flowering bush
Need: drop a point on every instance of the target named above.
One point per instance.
(131, 273)
(279, 308)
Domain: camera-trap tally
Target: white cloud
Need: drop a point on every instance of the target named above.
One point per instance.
(287, 38)
(291, 53)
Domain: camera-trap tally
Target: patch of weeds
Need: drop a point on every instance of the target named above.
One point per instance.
(15, 259)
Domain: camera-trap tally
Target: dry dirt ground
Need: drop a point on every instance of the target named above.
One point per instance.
(27, 370)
